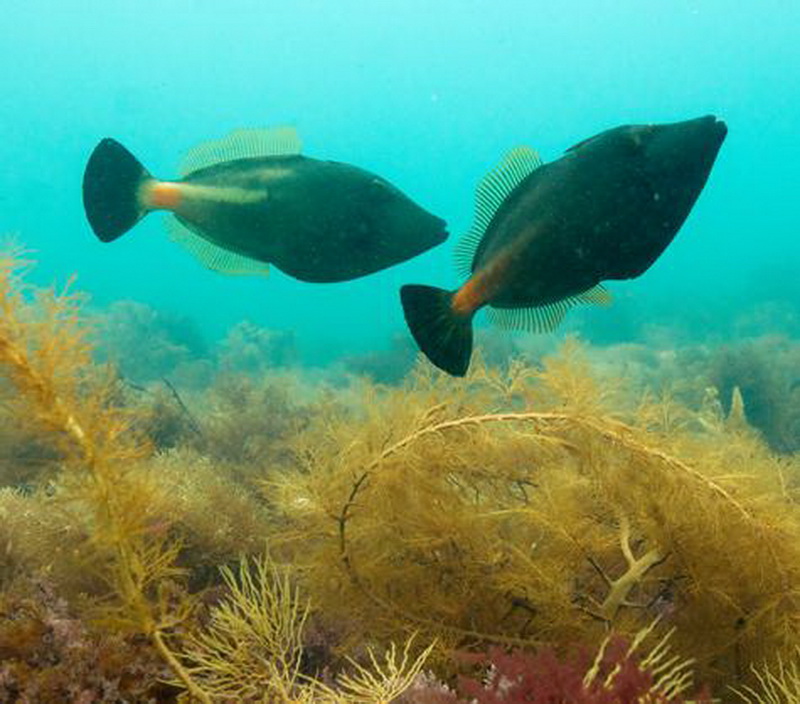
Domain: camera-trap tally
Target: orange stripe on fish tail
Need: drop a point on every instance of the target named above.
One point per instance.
(469, 297)
(479, 289)
(161, 195)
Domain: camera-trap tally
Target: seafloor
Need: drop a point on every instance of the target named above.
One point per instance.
(570, 523)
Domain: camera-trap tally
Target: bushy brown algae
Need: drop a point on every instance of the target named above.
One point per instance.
(424, 511)
(47, 360)
(534, 506)
(111, 531)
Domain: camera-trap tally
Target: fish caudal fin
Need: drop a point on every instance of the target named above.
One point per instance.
(111, 185)
(444, 335)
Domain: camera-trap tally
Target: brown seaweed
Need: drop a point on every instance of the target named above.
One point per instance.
(539, 506)
(551, 522)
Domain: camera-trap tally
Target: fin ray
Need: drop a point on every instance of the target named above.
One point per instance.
(491, 192)
(546, 318)
(211, 255)
(246, 143)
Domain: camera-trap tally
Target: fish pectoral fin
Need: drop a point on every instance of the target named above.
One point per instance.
(211, 255)
(548, 317)
(492, 190)
(246, 143)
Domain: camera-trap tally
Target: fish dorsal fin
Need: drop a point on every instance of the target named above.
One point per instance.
(492, 190)
(246, 143)
(211, 255)
(548, 317)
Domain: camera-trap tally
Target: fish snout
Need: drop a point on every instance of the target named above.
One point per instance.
(708, 129)
(716, 128)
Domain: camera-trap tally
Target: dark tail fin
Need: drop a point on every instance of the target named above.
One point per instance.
(111, 190)
(442, 334)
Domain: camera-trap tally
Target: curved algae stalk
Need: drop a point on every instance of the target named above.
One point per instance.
(548, 426)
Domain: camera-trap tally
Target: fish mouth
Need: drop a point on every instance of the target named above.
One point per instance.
(707, 132)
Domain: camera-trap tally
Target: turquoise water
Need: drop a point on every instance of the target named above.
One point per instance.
(427, 94)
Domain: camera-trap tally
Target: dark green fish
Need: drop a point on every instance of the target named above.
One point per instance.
(545, 236)
(251, 200)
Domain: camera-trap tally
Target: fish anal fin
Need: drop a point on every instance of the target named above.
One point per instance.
(211, 255)
(538, 319)
(491, 192)
(596, 295)
(546, 318)
(245, 143)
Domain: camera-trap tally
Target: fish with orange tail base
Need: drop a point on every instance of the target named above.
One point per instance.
(546, 235)
(251, 200)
